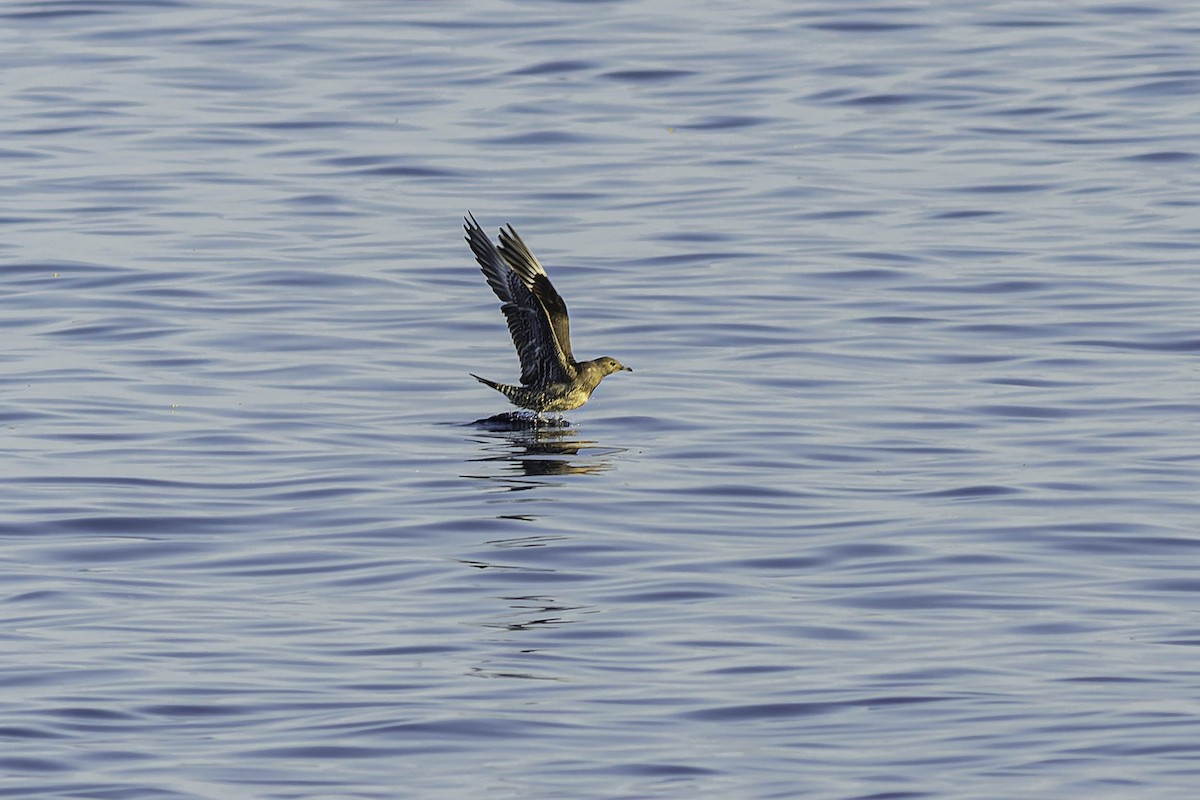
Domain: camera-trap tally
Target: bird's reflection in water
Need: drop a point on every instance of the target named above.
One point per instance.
(531, 612)
(519, 452)
(524, 613)
(531, 447)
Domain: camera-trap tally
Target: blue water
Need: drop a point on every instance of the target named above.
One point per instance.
(901, 500)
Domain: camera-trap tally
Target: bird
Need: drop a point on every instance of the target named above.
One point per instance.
(551, 379)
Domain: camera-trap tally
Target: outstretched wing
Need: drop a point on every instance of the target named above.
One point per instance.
(525, 264)
(542, 360)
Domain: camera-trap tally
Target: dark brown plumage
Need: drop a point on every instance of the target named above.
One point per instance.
(551, 379)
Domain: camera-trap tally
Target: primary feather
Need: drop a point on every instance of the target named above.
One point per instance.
(517, 279)
(551, 378)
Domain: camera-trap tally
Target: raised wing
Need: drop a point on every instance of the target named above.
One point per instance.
(542, 359)
(533, 275)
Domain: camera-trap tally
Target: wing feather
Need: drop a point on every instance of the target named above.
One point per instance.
(533, 334)
(533, 274)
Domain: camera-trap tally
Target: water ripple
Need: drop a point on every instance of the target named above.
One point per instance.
(903, 478)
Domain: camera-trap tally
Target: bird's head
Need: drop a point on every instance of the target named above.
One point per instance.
(597, 369)
(610, 365)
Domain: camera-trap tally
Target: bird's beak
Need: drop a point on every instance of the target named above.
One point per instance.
(627, 369)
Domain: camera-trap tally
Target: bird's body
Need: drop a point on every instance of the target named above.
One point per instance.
(551, 379)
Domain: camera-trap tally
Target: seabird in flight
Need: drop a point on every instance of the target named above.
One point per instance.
(551, 379)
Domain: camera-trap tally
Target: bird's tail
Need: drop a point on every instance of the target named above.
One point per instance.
(485, 381)
(511, 392)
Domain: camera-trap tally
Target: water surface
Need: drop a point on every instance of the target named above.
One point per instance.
(900, 501)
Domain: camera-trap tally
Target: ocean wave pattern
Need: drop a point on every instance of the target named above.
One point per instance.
(901, 500)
